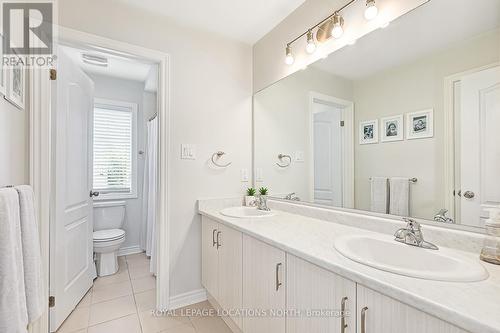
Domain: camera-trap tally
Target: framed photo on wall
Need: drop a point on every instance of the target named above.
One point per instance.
(16, 85)
(392, 128)
(420, 124)
(368, 132)
(3, 72)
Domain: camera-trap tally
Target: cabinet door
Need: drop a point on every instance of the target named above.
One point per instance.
(311, 288)
(230, 270)
(263, 287)
(209, 256)
(378, 313)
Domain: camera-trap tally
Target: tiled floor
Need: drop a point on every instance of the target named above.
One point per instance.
(123, 303)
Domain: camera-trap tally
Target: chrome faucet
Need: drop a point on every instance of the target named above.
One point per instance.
(262, 202)
(441, 216)
(412, 235)
(292, 196)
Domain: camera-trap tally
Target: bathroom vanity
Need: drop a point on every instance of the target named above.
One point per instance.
(288, 263)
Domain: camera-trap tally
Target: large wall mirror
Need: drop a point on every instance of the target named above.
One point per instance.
(406, 121)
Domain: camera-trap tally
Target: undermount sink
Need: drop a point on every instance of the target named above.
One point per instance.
(245, 212)
(383, 253)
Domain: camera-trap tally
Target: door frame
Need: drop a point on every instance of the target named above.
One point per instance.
(347, 147)
(40, 154)
(449, 134)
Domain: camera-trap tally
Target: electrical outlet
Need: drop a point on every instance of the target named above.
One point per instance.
(299, 156)
(259, 175)
(188, 151)
(244, 175)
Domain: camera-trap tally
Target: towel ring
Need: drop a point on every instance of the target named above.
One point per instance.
(281, 157)
(217, 155)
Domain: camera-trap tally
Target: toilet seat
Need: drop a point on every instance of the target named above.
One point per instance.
(108, 235)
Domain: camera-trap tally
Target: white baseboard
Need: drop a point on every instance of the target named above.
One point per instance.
(189, 298)
(124, 251)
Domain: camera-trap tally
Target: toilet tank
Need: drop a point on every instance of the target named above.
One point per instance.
(109, 215)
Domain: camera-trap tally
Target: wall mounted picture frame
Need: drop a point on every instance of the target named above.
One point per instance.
(392, 128)
(3, 71)
(16, 85)
(420, 124)
(368, 132)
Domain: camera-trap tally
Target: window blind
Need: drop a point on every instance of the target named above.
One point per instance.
(112, 150)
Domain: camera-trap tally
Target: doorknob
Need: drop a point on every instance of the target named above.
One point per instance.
(469, 194)
(94, 193)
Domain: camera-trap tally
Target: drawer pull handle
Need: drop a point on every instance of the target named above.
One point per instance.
(343, 324)
(278, 283)
(218, 239)
(213, 237)
(363, 319)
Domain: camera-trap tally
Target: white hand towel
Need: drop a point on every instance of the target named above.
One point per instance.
(31, 253)
(399, 196)
(379, 195)
(13, 312)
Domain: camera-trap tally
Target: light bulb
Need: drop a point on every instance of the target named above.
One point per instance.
(338, 26)
(371, 10)
(289, 56)
(311, 45)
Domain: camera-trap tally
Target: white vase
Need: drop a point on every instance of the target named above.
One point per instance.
(250, 201)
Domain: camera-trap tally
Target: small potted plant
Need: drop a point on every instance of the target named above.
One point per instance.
(250, 197)
(263, 191)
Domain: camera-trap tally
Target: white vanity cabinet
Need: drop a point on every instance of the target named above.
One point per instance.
(264, 286)
(241, 272)
(310, 287)
(222, 265)
(377, 313)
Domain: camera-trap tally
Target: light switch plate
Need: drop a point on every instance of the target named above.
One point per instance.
(188, 151)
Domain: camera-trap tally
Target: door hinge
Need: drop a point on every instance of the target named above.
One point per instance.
(52, 301)
(53, 74)
(342, 123)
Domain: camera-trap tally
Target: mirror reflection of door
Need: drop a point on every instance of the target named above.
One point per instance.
(328, 157)
(478, 117)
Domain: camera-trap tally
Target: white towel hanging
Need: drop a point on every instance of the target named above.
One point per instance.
(13, 311)
(399, 196)
(31, 253)
(379, 195)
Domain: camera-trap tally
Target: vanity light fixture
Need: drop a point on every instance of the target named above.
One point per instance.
(371, 10)
(289, 55)
(311, 44)
(331, 26)
(338, 25)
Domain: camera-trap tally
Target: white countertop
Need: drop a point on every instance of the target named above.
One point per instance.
(474, 307)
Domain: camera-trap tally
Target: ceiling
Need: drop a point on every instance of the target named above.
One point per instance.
(242, 20)
(118, 67)
(434, 26)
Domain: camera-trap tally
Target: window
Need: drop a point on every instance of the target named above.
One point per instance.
(115, 149)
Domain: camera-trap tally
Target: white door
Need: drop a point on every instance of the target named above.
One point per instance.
(71, 264)
(480, 138)
(327, 145)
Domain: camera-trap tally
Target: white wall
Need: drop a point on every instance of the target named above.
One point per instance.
(281, 116)
(211, 89)
(408, 88)
(14, 143)
(269, 51)
(132, 92)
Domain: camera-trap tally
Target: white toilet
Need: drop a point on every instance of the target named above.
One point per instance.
(108, 235)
